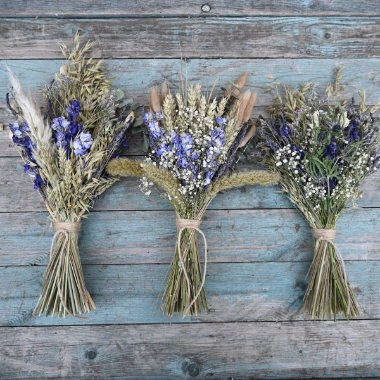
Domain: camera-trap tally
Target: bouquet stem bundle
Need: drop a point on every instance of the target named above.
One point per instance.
(64, 290)
(185, 292)
(328, 292)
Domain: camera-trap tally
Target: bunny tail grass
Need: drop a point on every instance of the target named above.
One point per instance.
(125, 167)
(164, 180)
(255, 177)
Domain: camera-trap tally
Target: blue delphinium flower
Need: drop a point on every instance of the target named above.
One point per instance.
(83, 143)
(331, 149)
(174, 139)
(217, 139)
(208, 177)
(221, 121)
(61, 140)
(154, 129)
(60, 124)
(162, 148)
(147, 117)
(75, 128)
(73, 109)
(67, 129)
(332, 182)
(21, 138)
(183, 162)
(214, 148)
(38, 182)
(352, 131)
(15, 128)
(25, 128)
(298, 150)
(32, 169)
(285, 130)
(185, 145)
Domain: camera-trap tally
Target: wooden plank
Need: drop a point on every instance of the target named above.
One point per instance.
(222, 37)
(128, 237)
(137, 77)
(113, 8)
(236, 292)
(17, 195)
(216, 350)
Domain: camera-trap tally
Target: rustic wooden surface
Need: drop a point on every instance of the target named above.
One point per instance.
(259, 246)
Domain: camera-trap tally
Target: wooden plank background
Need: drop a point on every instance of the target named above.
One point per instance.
(259, 246)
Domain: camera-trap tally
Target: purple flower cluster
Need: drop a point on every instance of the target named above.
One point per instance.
(73, 109)
(190, 154)
(352, 131)
(68, 129)
(22, 139)
(214, 149)
(82, 144)
(285, 131)
(331, 149)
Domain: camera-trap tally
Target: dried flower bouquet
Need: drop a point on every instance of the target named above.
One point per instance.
(323, 149)
(65, 152)
(193, 141)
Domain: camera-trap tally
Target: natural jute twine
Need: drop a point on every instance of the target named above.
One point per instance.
(193, 224)
(63, 228)
(320, 234)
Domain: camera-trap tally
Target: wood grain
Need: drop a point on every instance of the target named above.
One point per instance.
(128, 237)
(236, 292)
(243, 37)
(259, 246)
(114, 8)
(258, 350)
(136, 77)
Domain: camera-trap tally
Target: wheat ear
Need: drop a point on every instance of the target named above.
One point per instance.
(125, 167)
(254, 177)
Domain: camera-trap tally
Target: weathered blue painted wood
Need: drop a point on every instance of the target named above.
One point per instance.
(258, 258)
(207, 350)
(127, 294)
(137, 77)
(128, 237)
(16, 194)
(112, 8)
(251, 37)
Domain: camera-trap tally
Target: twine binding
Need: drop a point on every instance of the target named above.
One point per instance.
(329, 235)
(63, 228)
(193, 224)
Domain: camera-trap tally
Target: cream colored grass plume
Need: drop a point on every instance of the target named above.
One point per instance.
(41, 133)
(193, 113)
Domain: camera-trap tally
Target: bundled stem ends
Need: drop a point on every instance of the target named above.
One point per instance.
(185, 292)
(64, 291)
(329, 292)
